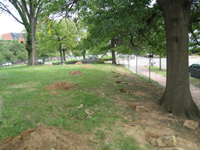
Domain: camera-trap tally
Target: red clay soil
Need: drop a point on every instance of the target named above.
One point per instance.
(76, 72)
(61, 85)
(87, 66)
(44, 138)
(78, 63)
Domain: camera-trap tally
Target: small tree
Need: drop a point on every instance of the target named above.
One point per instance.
(12, 49)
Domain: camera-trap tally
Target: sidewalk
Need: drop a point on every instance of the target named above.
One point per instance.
(162, 81)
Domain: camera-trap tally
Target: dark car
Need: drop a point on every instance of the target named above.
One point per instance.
(194, 70)
(149, 54)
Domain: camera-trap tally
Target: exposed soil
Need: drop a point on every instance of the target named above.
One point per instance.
(61, 85)
(121, 82)
(54, 93)
(76, 72)
(149, 123)
(87, 66)
(44, 138)
(78, 63)
(117, 76)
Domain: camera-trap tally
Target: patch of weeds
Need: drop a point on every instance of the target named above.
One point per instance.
(100, 135)
(142, 127)
(127, 143)
(149, 146)
(195, 82)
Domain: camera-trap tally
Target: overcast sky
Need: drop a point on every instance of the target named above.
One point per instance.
(9, 24)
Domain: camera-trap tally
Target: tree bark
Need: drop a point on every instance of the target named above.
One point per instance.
(113, 51)
(33, 52)
(28, 43)
(61, 54)
(160, 62)
(64, 55)
(84, 54)
(177, 97)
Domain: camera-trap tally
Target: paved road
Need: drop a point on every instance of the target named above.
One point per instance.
(143, 61)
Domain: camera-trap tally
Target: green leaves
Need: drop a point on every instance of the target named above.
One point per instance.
(12, 49)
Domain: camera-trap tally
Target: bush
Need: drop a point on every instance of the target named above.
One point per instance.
(99, 61)
(56, 63)
(70, 62)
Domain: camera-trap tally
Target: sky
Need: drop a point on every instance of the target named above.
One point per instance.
(9, 24)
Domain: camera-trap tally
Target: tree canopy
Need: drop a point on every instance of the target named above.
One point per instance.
(12, 51)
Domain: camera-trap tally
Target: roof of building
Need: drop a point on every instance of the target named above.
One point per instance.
(15, 35)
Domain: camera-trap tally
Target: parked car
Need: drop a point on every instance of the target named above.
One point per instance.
(149, 54)
(54, 58)
(40, 61)
(90, 57)
(7, 64)
(194, 70)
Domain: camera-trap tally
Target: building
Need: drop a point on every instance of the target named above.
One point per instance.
(14, 36)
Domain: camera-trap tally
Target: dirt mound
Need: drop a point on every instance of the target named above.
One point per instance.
(78, 63)
(87, 66)
(76, 72)
(44, 137)
(61, 85)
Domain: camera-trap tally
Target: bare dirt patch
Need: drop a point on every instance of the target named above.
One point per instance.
(78, 63)
(44, 138)
(76, 72)
(150, 123)
(87, 66)
(121, 82)
(54, 93)
(117, 76)
(61, 85)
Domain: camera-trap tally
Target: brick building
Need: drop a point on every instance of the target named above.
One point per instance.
(14, 36)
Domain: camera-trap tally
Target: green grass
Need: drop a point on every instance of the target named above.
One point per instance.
(194, 81)
(25, 102)
(157, 71)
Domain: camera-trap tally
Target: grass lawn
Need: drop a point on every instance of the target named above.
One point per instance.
(26, 102)
(194, 81)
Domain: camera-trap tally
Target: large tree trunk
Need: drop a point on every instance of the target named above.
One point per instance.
(33, 52)
(84, 54)
(61, 54)
(113, 51)
(113, 57)
(177, 98)
(160, 67)
(28, 43)
(64, 55)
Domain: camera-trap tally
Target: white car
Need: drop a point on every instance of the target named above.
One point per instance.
(7, 64)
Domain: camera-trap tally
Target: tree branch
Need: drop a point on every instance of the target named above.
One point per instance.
(133, 43)
(5, 8)
(195, 38)
(147, 39)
